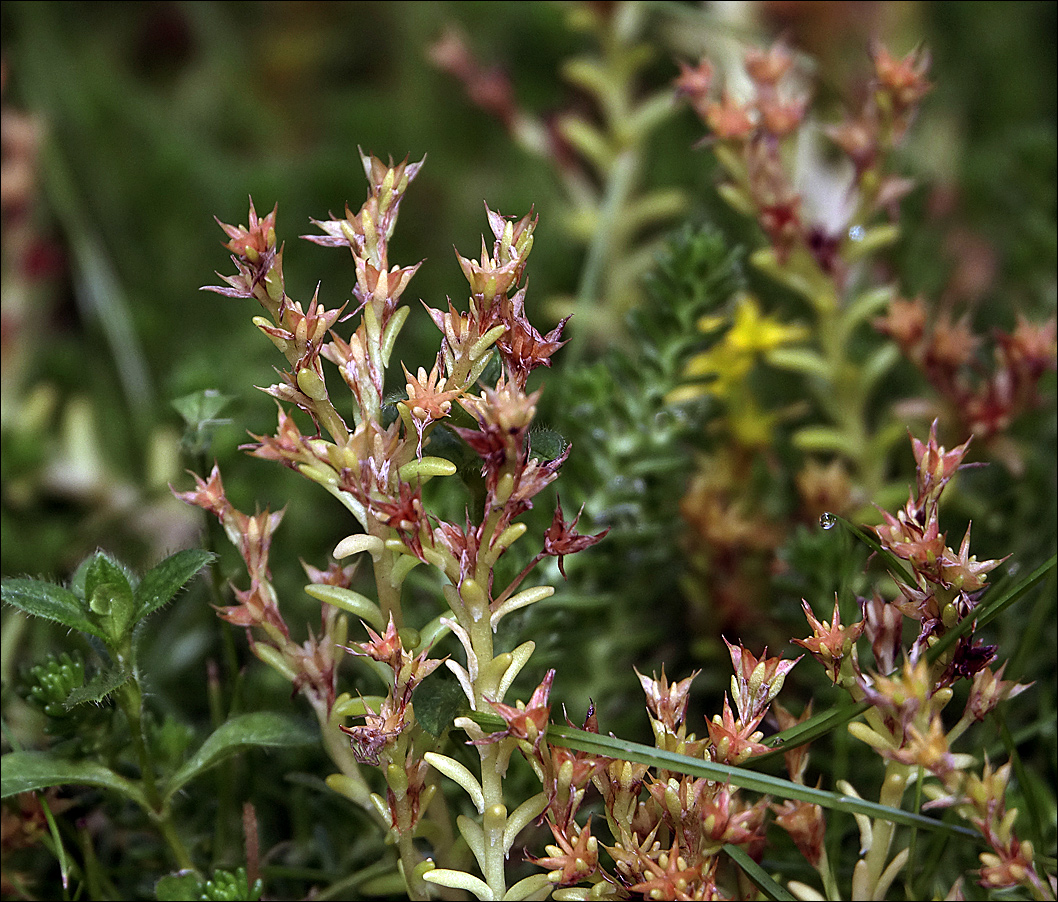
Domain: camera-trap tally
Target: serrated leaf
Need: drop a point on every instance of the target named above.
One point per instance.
(161, 583)
(98, 688)
(546, 444)
(26, 771)
(261, 729)
(52, 602)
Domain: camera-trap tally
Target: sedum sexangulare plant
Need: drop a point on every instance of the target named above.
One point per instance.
(377, 467)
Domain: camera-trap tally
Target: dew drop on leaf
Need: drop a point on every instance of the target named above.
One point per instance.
(828, 520)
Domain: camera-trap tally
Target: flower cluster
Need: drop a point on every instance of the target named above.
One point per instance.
(904, 722)
(666, 828)
(984, 399)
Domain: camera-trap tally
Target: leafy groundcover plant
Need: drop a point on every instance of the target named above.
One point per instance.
(441, 743)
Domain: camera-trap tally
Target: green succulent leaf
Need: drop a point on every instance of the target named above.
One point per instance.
(800, 360)
(823, 439)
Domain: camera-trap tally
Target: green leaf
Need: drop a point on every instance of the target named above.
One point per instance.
(201, 407)
(25, 771)
(161, 583)
(439, 701)
(108, 594)
(874, 239)
(98, 688)
(52, 602)
(812, 729)
(262, 729)
(546, 444)
(877, 364)
(800, 360)
(178, 887)
(867, 305)
(823, 439)
(201, 412)
(757, 874)
(896, 567)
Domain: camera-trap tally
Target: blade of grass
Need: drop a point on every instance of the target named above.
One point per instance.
(811, 729)
(757, 874)
(53, 827)
(611, 747)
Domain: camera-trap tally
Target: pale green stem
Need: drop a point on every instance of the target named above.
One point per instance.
(882, 830)
(494, 820)
(826, 872)
(388, 594)
(340, 752)
(619, 183)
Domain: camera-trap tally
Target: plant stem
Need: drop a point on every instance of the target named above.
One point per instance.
(130, 698)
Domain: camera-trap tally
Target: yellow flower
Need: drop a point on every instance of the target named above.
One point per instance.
(750, 336)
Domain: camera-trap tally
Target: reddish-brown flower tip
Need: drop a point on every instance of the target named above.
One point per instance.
(526, 722)
(254, 241)
(903, 79)
(830, 642)
(561, 538)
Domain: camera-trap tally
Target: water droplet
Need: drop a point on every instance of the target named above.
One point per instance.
(856, 233)
(828, 521)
